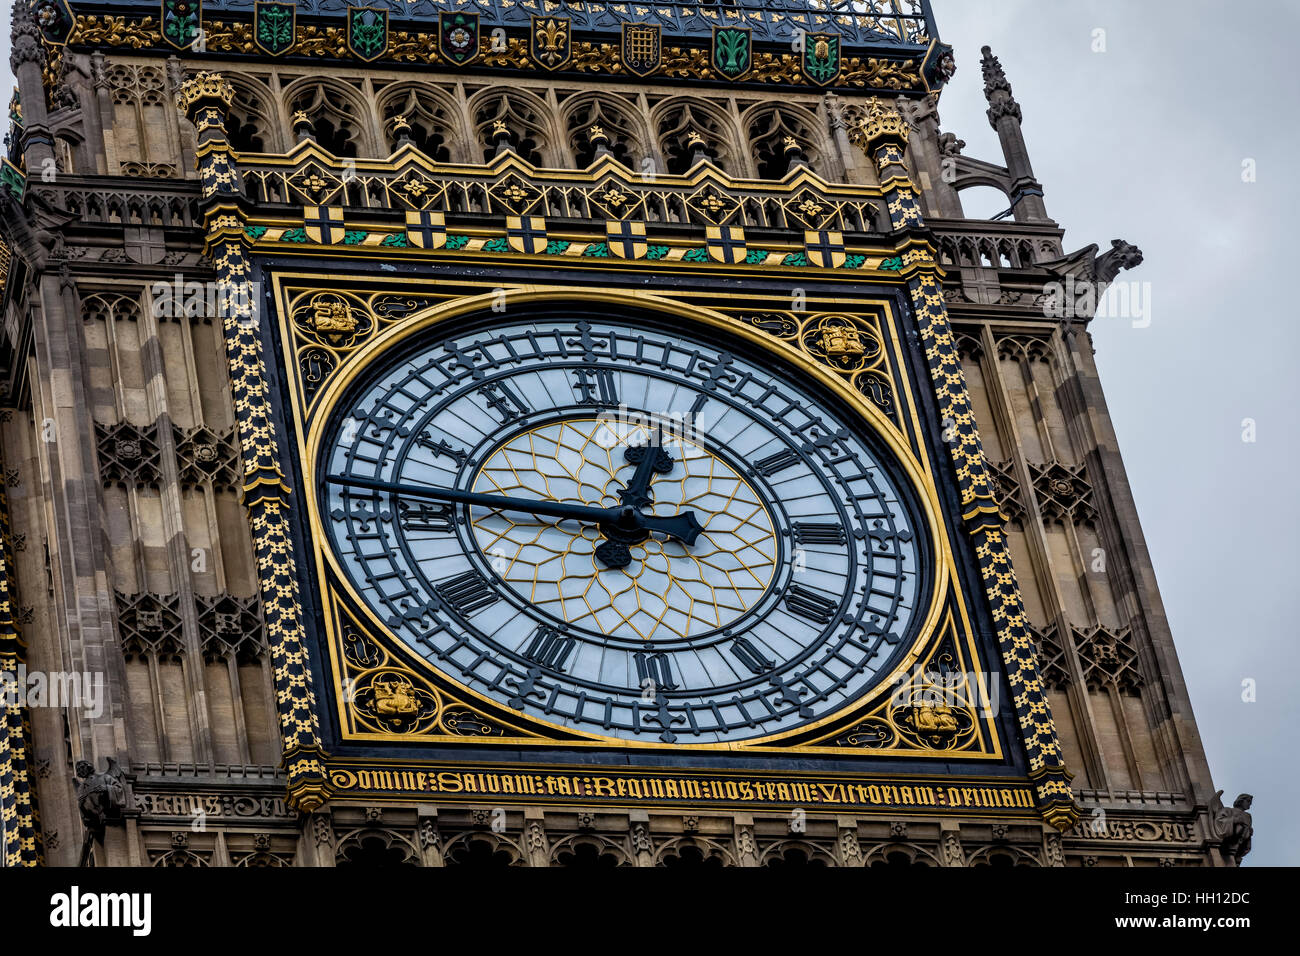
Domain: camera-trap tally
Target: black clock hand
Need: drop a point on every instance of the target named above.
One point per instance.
(627, 521)
(650, 457)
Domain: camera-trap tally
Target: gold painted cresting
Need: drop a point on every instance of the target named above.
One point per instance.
(911, 471)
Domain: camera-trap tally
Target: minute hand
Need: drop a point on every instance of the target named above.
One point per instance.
(683, 526)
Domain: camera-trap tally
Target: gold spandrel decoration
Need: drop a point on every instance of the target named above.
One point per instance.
(336, 321)
(851, 344)
(325, 327)
(381, 696)
(941, 707)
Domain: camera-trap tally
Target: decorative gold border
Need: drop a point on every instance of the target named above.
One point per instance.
(381, 780)
(883, 136)
(592, 58)
(24, 843)
(309, 432)
(266, 497)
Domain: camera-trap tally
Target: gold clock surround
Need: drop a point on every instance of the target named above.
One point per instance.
(409, 682)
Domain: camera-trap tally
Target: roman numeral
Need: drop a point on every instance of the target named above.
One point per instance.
(885, 539)
(441, 448)
(698, 405)
(467, 593)
(504, 400)
(809, 604)
(749, 655)
(769, 466)
(426, 516)
(549, 648)
(811, 532)
(596, 386)
(657, 669)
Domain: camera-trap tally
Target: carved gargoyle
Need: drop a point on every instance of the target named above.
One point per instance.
(1122, 255)
(1233, 826)
(101, 798)
(1087, 266)
(950, 145)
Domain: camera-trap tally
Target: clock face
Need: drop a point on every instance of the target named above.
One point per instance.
(630, 531)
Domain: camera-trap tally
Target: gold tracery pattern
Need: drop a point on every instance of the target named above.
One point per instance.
(668, 590)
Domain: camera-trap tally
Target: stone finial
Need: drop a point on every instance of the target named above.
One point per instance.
(501, 137)
(401, 129)
(26, 37)
(204, 88)
(883, 125)
(698, 147)
(997, 90)
(303, 127)
(794, 155)
(598, 139)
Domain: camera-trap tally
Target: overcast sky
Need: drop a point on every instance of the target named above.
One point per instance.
(1146, 142)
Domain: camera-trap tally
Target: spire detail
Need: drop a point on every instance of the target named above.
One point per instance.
(997, 90)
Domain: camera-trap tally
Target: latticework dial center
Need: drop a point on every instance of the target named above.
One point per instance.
(668, 590)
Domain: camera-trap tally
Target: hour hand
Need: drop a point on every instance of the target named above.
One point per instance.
(685, 527)
(651, 458)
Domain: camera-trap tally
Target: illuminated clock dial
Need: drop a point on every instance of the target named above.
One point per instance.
(627, 530)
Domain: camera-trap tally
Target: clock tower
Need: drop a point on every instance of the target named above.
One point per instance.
(559, 434)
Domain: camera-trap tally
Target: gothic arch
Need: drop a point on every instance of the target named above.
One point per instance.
(482, 849)
(968, 345)
(796, 853)
(179, 857)
(1027, 347)
(527, 119)
(372, 847)
(694, 852)
(628, 137)
(675, 119)
(437, 121)
(766, 127)
(144, 121)
(337, 112)
(110, 306)
(251, 122)
(589, 851)
(900, 855)
(1002, 856)
(989, 196)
